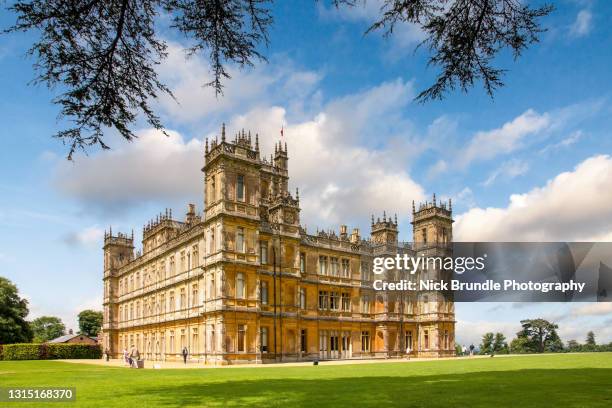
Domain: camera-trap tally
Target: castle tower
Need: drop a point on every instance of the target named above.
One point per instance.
(432, 233)
(384, 231)
(118, 250)
(432, 224)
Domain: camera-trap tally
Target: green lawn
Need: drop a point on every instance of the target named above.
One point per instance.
(560, 380)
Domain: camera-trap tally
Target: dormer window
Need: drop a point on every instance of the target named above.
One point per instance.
(240, 187)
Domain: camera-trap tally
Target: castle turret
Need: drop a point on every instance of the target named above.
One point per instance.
(432, 223)
(384, 231)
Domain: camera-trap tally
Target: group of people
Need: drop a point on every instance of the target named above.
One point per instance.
(131, 358)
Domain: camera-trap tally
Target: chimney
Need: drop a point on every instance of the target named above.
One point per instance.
(190, 216)
(355, 236)
(343, 233)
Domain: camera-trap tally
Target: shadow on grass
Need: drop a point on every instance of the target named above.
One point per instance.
(519, 388)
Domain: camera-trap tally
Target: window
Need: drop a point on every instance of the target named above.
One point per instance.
(240, 285)
(239, 239)
(334, 267)
(303, 341)
(195, 257)
(162, 303)
(302, 262)
(302, 298)
(446, 340)
(172, 301)
(365, 304)
(408, 340)
(322, 300)
(171, 341)
(346, 302)
(182, 339)
(426, 339)
(183, 266)
(334, 301)
(240, 187)
(345, 268)
(241, 337)
(212, 241)
(425, 304)
(264, 340)
(194, 295)
(172, 266)
(194, 340)
(365, 341)
(263, 252)
(211, 337)
(323, 265)
(424, 232)
(264, 292)
(333, 343)
(182, 299)
(211, 287)
(213, 189)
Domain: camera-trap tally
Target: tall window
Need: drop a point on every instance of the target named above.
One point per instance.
(162, 303)
(346, 302)
(334, 301)
(182, 299)
(365, 341)
(172, 266)
(323, 296)
(241, 337)
(213, 189)
(195, 260)
(211, 244)
(240, 187)
(264, 340)
(239, 239)
(323, 265)
(446, 340)
(425, 304)
(408, 339)
(240, 287)
(365, 304)
(334, 266)
(263, 252)
(302, 298)
(345, 268)
(264, 292)
(211, 287)
(183, 267)
(302, 262)
(194, 340)
(194, 295)
(171, 341)
(426, 339)
(172, 301)
(303, 341)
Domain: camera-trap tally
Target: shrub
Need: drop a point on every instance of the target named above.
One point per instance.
(21, 351)
(50, 351)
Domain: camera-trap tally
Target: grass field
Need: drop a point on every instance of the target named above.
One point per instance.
(563, 380)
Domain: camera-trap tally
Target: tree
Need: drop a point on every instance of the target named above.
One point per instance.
(499, 344)
(90, 322)
(103, 53)
(46, 328)
(590, 339)
(520, 345)
(486, 346)
(13, 311)
(541, 335)
(573, 345)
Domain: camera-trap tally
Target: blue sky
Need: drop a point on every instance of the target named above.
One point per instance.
(532, 164)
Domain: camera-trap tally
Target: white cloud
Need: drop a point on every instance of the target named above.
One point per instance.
(508, 170)
(153, 167)
(486, 145)
(583, 23)
(573, 206)
(90, 237)
(593, 309)
(572, 139)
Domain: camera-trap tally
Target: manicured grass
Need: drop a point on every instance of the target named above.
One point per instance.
(559, 380)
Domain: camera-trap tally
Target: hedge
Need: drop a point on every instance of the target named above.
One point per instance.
(46, 351)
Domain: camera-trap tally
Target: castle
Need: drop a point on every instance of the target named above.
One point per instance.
(244, 282)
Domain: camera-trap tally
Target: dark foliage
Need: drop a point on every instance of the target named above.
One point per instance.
(13, 311)
(102, 54)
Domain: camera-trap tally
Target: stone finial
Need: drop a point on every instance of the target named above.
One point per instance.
(434, 199)
(384, 216)
(297, 194)
(413, 207)
(450, 204)
(285, 147)
(372, 219)
(256, 142)
(395, 218)
(223, 132)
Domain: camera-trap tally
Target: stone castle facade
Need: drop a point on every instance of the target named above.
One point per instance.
(244, 282)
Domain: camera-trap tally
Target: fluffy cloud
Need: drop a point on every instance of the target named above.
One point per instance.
(486, 145)
(573, 206)
(593, 309)
(582, 24)
(90, 237)
(153, 167)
